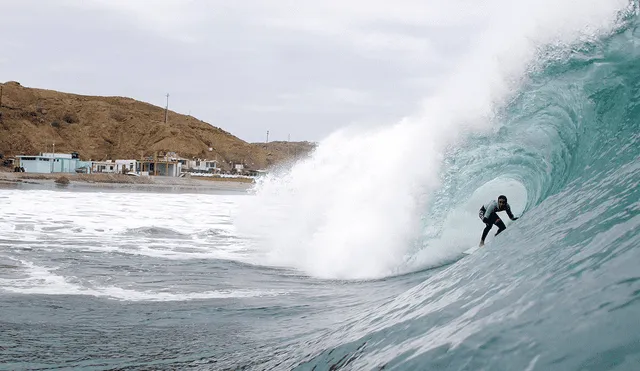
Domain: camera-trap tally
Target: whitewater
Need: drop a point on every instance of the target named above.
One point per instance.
(352, 258)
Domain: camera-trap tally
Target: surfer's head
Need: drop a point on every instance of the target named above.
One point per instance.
(502, 201)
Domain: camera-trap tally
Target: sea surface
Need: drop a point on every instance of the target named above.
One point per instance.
(353, 258)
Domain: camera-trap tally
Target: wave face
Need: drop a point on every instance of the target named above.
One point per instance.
(559, 289)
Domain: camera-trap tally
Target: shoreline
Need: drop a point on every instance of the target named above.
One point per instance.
(120, 181)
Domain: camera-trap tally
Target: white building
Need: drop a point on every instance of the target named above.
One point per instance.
(107, 166)
(116, 167)
(127, 166)
(199, 165)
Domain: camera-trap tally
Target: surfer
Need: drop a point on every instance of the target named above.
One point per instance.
(489, 217)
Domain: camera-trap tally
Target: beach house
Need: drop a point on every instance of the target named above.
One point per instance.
(202, 166)
(47, 163)
(107, 166)
(163, 165)
(115, 166)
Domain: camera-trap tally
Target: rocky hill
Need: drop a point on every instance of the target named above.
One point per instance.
(101, 128)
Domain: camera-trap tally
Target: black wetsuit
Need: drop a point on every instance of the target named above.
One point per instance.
(489, 217)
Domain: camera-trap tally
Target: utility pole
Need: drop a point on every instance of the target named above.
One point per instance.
(166, 110)
(266, 144)
(53, 158)
(0, 96)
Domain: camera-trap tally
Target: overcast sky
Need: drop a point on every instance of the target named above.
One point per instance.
(299, 68)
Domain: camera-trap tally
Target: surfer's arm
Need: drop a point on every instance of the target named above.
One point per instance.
(508, 210)
(491, 208)
(481, 213)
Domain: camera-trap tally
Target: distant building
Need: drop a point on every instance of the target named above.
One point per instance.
(47, 163)
(167, 165)
(200, 165)
(127, 166)
(117, 167)
(107, 166)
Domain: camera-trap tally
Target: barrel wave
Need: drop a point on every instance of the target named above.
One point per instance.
(558, 290)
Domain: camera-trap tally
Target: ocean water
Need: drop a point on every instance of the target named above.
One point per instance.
(353, 259)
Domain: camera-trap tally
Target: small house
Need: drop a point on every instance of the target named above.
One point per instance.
(203, 166)
(127, 166)
(160, 165)
(47, 163)
(107, 166)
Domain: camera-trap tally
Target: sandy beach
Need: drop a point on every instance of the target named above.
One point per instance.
(119, 181)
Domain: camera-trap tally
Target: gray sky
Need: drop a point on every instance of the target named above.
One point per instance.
(303, 68)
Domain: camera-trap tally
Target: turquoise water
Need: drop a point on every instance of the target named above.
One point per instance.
(92, 280)
(560, 289)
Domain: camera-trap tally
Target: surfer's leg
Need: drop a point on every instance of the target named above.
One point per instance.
(485, 232)
(501, 226)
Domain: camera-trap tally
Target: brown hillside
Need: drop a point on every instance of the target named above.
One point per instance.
(101, 128)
